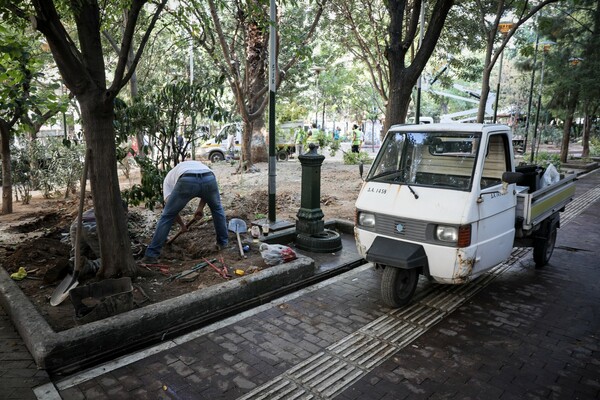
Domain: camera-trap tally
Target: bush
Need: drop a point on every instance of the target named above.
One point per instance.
(594, 147)
(150, 189)
(357, 158)
(50, 164)
(544, 159)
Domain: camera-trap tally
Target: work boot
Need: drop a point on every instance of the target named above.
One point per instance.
(149, 260)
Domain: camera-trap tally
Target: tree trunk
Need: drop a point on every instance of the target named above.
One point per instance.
(260, 152)
(571, 105)
(585, 140)
(7, 207)
(485, 92)
(399, 96)
(115, 247)
(256, 49)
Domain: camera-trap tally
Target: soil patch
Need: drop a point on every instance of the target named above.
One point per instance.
(35, 236)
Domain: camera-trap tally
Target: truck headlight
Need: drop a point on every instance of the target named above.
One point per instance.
(366, 219)
(460, 235)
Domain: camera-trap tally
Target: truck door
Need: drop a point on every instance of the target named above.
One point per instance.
(497, 207)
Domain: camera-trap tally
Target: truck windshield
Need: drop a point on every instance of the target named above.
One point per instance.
(437, 159)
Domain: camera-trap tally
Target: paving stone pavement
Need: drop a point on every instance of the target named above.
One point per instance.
(528, 333)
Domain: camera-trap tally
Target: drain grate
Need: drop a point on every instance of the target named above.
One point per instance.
(331, 371)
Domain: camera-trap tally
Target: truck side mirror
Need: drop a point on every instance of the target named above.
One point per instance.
(513, 177)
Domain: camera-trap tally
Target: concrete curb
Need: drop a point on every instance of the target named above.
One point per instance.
(52, 350)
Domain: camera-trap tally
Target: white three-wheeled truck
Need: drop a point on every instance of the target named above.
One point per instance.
(446, 201)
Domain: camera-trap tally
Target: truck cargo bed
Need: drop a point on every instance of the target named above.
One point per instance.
(539, 205)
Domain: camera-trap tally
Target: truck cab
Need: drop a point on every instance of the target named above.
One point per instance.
(434, 202)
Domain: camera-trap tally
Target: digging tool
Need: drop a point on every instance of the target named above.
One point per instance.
(221, 271)
(238, 226)
(189, 271)
(70, 281)
(190, 223)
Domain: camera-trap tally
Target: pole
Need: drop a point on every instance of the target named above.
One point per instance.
(317, 101)
(373, 133)
(537, 115)
(193, 111)
(537, 40)
(418, 105)
(272, 90)
(498, 87)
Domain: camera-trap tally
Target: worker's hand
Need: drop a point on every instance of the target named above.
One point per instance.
(198, 215)
(184, 228)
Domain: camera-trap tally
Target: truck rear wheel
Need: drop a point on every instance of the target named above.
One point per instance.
(282, 155)
(398, 285)
(543, 248)
(216, 157)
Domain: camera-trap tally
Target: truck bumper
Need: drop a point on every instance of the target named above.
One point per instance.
(399, 254)
(443, 264)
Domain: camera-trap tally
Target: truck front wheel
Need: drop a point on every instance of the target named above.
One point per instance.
(398, 285)
(543, 248)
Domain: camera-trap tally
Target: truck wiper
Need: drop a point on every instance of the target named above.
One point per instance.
(412, 191)
(386, 173)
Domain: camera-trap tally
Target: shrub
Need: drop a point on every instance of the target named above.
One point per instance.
(357, 158)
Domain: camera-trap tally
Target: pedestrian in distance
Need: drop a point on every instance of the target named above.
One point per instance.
(356, 139)
(300, 139)
(313, 136)
(336, 133)
(186, 181)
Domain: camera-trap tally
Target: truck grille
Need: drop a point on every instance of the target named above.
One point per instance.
(402, 228)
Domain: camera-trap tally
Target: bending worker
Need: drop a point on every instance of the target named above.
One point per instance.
(187, 180)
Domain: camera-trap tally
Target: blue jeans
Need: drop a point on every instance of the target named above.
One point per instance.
(187, 188)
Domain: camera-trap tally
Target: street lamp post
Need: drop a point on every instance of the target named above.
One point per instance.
(504, 28)
(421, 28)
(317, 71)
(545, 46)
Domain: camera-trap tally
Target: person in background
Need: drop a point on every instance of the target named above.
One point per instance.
(188, 180)
(336, 133)
(313, 136)
(300, 139)
(356, 139)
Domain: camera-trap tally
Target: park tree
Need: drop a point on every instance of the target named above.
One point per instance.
(27, 97)
(85, 70)
(574, 64)
(491, 15)
(384, 37)
(235, 36)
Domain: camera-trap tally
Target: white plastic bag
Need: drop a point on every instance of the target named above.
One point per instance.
(551, 176)
(275, 254)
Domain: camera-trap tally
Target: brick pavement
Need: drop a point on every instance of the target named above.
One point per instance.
(529, 333)
(18, 372)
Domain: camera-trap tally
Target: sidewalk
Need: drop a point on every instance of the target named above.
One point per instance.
(518, 332)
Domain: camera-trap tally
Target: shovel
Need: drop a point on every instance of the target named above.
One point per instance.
(70, 281)
(238, 226)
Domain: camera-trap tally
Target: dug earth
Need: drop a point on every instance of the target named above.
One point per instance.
(35, 235)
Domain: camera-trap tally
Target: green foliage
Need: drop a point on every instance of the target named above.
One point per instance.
(544, 159)
(551, 134)
(159, 115)
(595, 147)
(149, 191)
(357, 158)
(47, 165)
(21, 173)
